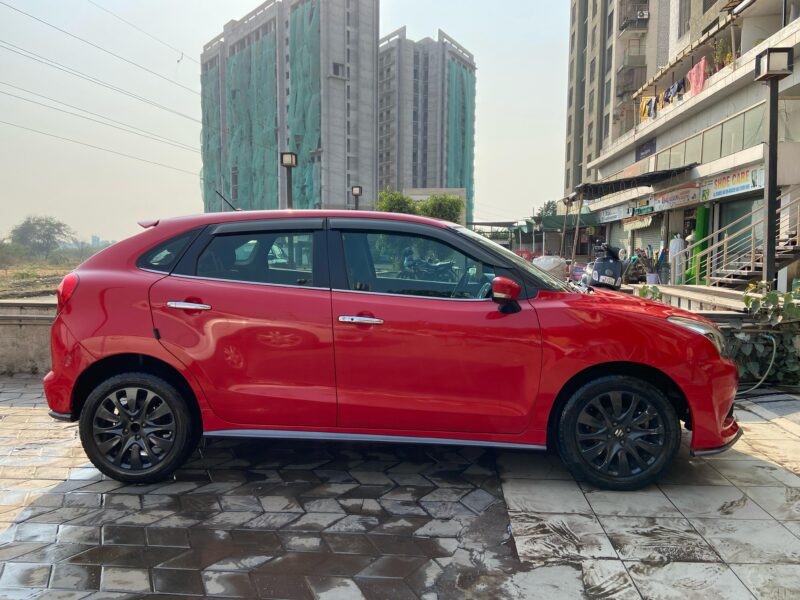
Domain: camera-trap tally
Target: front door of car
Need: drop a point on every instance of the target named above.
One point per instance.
(420, 346)
(247, 311)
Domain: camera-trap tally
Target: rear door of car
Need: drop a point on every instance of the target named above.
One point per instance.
(248, 311)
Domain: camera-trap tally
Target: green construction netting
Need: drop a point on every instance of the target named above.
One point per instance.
(461, 130)
(246, 170)
(303, 119)
(211, 138)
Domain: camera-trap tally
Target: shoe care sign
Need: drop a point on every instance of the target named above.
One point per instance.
(734, 182)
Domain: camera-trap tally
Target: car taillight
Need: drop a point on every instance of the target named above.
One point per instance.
(65, 289)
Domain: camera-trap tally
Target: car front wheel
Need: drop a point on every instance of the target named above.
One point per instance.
(618, 433)
(136, 428)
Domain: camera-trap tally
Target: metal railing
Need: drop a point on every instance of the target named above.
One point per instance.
(735, 252)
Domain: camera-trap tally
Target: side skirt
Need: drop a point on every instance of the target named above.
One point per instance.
(361, 437)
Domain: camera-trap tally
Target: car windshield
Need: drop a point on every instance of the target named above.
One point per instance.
(546, 280)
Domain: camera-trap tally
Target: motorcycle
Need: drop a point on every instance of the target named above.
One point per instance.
(416, 268)
(609, 267)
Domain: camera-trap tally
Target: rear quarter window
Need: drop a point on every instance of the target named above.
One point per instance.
(165, 256)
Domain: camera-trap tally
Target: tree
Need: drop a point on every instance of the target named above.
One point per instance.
(390, 200)
(442, 206)
(41, 235)
(548, 209)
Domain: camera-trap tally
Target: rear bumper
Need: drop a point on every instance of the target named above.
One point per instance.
(60, 416)
(68, 359)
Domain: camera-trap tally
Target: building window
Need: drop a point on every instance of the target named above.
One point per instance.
(609, 59)
(569, 150)
(234, 183)
(594, 36)
(606, 126)
(607, 93)
(591, 101)
(590, 136)
(610, 24)
(592, 69)
(708, 4)
(569, 98)
(338, 69)
(684, 16)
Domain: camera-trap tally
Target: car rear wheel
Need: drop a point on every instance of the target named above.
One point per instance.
(136, 428)
(618, 433)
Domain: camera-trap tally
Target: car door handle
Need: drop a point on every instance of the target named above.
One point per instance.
(360, 320)
(188, 305)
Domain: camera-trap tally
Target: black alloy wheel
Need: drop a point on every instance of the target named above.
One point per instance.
(136, 428)
(618, 433)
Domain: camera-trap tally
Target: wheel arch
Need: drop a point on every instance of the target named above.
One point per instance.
(117, 364)
(641, 371)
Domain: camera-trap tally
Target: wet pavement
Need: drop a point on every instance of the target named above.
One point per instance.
(276, 519)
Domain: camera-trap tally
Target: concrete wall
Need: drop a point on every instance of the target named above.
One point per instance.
(25, 336)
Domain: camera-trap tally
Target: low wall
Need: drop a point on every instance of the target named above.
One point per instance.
(25, 336)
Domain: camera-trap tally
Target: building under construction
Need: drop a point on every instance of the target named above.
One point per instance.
(292, 75)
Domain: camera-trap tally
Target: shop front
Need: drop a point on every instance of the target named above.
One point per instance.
(735, 195)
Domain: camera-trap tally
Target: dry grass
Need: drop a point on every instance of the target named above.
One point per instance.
(31, 280)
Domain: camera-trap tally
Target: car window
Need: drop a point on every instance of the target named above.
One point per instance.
(270, 257)
(164, 256)
(391, 263)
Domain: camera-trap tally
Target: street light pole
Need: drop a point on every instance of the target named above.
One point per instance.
(772, 65)
(289, 161)
(356, 190)
(771, 184)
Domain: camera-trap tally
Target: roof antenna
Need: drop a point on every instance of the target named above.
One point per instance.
(224, 199)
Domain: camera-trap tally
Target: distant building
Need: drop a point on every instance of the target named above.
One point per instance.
(297, 75)
(426, 114)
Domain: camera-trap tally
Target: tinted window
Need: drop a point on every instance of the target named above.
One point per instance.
(390, 263)
(267, 257)
(165, 256)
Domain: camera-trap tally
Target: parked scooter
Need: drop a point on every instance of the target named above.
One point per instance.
(610, 266)
(416, 268)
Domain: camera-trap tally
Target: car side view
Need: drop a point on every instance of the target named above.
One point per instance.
(366, 326)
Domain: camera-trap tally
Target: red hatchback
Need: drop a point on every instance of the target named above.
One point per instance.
(339, 325)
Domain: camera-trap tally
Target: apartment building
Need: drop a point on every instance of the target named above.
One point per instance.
(426, 114)
(292, 75)
(693, 163)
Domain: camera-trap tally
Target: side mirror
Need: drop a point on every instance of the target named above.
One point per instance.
(505, 293)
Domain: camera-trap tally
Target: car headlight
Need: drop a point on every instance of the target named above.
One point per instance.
(709, 331)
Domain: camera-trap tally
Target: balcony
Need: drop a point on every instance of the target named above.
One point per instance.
(634, 16)
(631, 79)
(633, 60)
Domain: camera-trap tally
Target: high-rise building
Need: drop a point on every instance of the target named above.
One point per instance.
(292, 75)
(426, 114)
(615, 45)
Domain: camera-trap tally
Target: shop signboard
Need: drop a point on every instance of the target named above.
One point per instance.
(683, 196)
(734, 182)
(617, 213)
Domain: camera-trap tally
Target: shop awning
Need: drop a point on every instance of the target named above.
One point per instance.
(556, 222)
(593, 191)
(634, 223)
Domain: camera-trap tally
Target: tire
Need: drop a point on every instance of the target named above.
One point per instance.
(147, 456)
(618, 433)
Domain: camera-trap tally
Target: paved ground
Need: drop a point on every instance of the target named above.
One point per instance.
(281, 520)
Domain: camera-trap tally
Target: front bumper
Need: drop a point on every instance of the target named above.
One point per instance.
(719, 449)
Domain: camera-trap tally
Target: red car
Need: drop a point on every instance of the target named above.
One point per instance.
(310, 325)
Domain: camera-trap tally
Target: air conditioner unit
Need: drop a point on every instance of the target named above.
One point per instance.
(642, 14)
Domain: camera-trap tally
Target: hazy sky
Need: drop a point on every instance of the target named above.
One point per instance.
(520, 47)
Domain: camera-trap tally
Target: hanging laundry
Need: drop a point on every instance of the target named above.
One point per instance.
(660, 101)
(644, 108)
(697, 76)
(652, 108)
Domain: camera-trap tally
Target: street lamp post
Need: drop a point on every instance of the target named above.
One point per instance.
(772, 65)
(289, 162)
(356, 190)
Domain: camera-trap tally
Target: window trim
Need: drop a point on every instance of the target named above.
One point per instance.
(339, 280)
(320, 273)
(193, 235)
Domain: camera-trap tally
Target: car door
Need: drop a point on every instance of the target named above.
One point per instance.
(420, 346)
(248, 312)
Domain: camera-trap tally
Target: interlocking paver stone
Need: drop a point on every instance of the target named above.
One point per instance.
(304, 519)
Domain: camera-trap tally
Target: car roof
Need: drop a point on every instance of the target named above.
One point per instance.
(254, 215)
